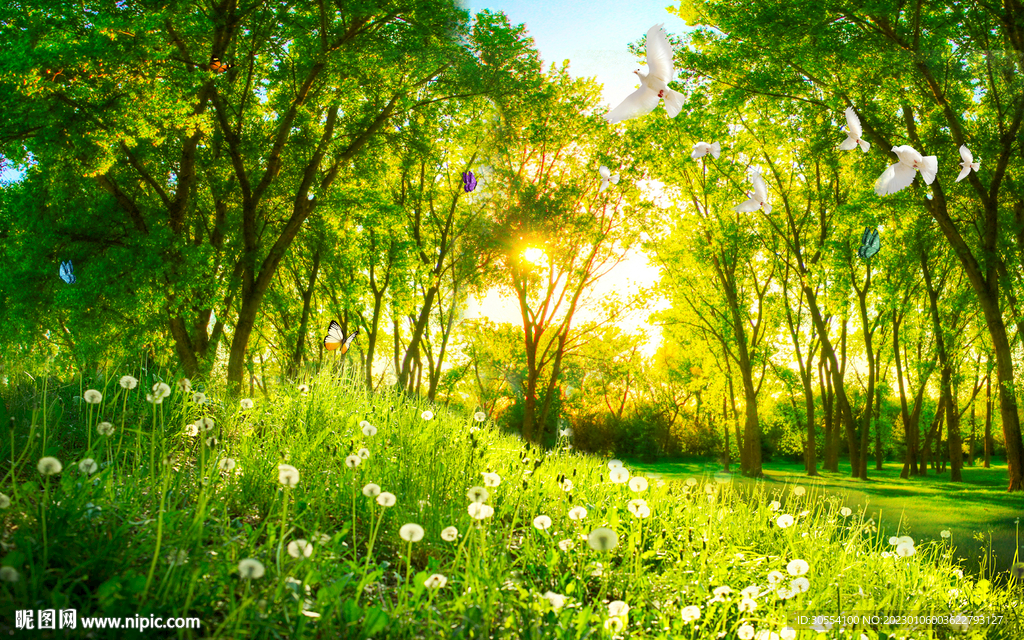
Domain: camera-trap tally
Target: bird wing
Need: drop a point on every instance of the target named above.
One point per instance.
(749, 205)
(604, 171)
(963, 172)
(659, 54)
(760, 190)
(639, 103)
(864, 145)
(966, 154)
(849, 143)
(698, 150)
(715, 150)
(604, 185)
(853, 123)
(896, 177)
(929, 167)
(614, 179)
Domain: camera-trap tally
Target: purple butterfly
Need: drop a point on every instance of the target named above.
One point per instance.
(468, 181)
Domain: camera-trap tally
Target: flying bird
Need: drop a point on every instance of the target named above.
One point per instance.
(853, 133)
(606, 177)
(468, 181)
(758, 198)
(968, 163)
(653, 85)
(67, 272)
(900, 175)
(869, 244)
(336, 338)
(702, 149)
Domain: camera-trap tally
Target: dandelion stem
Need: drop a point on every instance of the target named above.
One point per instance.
(159, 535)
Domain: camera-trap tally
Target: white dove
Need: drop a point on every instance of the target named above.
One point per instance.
(968, 163)
(653, 85)
(606, 177)
(901, 174)
(759, 197)
(853, 135)
(702, 149)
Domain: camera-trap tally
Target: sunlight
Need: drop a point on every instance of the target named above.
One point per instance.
(536, 256)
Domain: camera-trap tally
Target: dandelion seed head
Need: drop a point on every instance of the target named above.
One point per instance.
(287, 475)
(5, 501)
(945, 533)
(250, 569)
(480, 416)
(557, 600)
(689, 613)
(371, 490)
(799, 491)
(199, 397)
(577, 513)
(603, 539)
(746, 605)
(478, 494)
(369, 430)
(614, 624)
(491, 479)
(8, 574)
(617, 608)
(128, 382)
(797, 567)
(300, 547)
(435, 581)
(480, 510)
(614, 464)
(427, 415)
(246, 403)
(618, 475)
(88, 466)
(49, 466)
(227, 465)
(353, 461)
(411, 532)
(542, 522)
(800, 585)
(303, 389)
(105, 429)
(449, 534)
(386, 499)
(638, 484)
(845, 512)
(92, 396)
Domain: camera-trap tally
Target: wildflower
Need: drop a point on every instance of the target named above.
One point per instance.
(287, 475)
(542, 522)
(352, 461)
(321, 538)
(775, 505)
(129, 382)
(153, 398)
(435, 581)
(8, 574)
(745, 632)
(227, 464)
(577, 513)
(427, 415)
(566, 545)
(689, 614)
(634, 504)
(303, 389)
(797, 567)
(199, 397)
(5, 501)
(775, 577)
(764, 634)
(747, 605)
(751, 592)
(784, 520)
(480, 511)
(721, 592)
(88, 466)
(565, 433)
(211, 441)
(618, 475)
(386, 499)
(800, 585)
(411, 532)
(491, 479)
(709, 489)
(449, 534)
(478, 494)
(105, 428)
(246, 403)
(906, 539)
(944, 533)
(690, 482)
(845, 511)
(369, 430)
(603, 539)
(480, 416)
(206, 424)
(250, 568)
(566, 484)
(363, 453)
(784, 593)
(787, 633)
(49, 466)
(557, 600)
(893, 540)
(162, 389)
(185, 385)
(614, 464)
(371, 490)
(799, 491)
(92, 396)
(617, 608)
(905, 549)
(614, 625)
(638, 484)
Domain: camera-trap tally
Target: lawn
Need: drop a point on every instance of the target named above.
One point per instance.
(982, 518)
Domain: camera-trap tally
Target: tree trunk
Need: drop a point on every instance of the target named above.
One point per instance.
(988, 416)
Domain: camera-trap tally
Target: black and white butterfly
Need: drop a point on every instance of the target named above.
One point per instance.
(67, 272)
(336, 338)
(869, 244)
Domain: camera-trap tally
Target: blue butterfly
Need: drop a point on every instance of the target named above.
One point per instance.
(67, 272)
(869, 244)
(468, 181)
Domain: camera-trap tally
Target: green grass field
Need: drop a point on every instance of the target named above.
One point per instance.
(982, 518)
(326, 512)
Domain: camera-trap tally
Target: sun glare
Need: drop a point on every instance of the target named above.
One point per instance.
(535, 256)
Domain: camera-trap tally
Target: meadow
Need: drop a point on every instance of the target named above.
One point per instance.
(328, 512)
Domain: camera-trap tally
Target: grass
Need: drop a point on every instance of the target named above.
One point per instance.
(982, 518)
(172, 524)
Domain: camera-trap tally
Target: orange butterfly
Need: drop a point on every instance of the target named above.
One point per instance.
(336, 338)
(219, 66)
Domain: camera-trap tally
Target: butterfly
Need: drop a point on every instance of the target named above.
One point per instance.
(336, 338)
(219, 66)
(468, 181)
(67, 272)
(869, 244)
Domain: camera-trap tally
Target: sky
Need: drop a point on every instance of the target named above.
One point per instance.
(594, 36)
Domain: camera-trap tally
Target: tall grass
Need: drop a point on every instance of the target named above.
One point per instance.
(276, 521)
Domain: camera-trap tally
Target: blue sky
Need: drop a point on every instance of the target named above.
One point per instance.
(593, 35)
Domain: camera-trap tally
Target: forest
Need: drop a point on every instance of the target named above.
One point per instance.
(293, 220)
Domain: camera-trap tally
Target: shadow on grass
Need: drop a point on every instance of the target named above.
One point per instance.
(982, 518)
